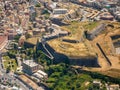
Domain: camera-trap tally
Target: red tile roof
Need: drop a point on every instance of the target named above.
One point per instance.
(2, 39)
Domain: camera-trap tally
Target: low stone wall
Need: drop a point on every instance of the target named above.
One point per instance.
(70, 41)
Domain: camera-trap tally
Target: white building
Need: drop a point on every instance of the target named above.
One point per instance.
(39, 76)
(59, 11)
(42, 73)
(30, 67)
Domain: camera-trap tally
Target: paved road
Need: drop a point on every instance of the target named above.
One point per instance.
(13, 79)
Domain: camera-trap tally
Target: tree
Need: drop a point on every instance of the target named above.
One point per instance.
(15, 46)
(16, 38)
(12, 53)
(38, 5)
(28, 35)
(8, 69)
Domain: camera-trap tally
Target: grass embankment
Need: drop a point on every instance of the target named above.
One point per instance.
(91, 25)
(76, 30)
(32, 40)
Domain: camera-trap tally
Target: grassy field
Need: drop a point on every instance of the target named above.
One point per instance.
(9, 63)
(76, 30)
(75, 49)
(72, 49)
(91, 25)
(32, 40)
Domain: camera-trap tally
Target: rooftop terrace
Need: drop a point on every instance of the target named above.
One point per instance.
(29, 82)
(30, 63)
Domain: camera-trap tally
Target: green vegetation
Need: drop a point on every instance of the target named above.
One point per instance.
(47, 16)
(91, 25)
(0, 9)
(9, 64)
(16, 38)
(105, 78)
(63, 77)
(38, 5)
(46, 13)
(76, 30)
(12, 53)
(28, 36)
(42, 59)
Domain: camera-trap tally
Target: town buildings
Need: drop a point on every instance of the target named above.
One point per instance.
(27, 81)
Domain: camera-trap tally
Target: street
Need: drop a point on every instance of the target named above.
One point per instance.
(11, 77)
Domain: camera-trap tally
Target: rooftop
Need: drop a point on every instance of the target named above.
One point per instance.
(2, 39)
(30, 63)
(29, 82)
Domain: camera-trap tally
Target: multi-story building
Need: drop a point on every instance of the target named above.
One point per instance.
(93, 3)
(29, 66)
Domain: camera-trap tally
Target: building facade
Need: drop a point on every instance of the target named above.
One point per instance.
(29, 66)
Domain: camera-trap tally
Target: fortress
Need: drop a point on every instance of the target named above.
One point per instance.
(68, 45)
(73, 53)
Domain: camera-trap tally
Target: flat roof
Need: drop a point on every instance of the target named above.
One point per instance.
(41, 72)
(2, 38)
(30, 63)
(29, 82)
(38, 75)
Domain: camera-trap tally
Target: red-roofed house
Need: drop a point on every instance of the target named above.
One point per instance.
(3, 41)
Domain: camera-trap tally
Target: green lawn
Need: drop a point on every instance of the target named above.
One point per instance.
(91, 25)
(9, 63)
(75, 29)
